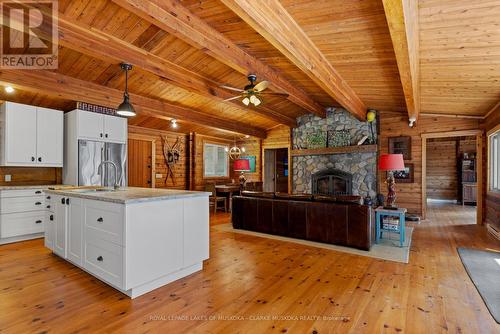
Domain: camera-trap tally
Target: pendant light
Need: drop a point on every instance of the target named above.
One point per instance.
(125, 108)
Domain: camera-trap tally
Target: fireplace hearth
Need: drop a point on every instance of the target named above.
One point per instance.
(331, 182)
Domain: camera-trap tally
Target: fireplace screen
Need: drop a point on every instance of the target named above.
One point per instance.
(332, 182)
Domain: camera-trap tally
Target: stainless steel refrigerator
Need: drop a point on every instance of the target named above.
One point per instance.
(90, 156)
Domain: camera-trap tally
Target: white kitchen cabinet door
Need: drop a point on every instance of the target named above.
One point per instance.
(20, 134)
(49, 137)
(75, 230)
(90, 125)
(115, 129)
(60, 217)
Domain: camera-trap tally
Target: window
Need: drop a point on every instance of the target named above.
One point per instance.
(215, 160)
(494, 160)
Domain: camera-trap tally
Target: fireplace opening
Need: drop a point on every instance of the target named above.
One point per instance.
(332, 182)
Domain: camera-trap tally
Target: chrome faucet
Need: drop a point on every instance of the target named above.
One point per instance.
(117, 184)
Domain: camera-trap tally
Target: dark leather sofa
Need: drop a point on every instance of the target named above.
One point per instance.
(340, 220)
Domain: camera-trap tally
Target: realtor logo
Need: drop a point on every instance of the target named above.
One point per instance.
(29, 34)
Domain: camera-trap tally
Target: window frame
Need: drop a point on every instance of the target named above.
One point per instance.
(493, 134)
(226, 154)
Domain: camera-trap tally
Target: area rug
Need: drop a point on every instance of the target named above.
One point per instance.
(387, 249)
(483, 268)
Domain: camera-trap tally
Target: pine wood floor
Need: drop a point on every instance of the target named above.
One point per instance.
(248, 278)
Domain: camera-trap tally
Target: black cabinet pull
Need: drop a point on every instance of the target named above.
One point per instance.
(38, 222)
(38, 192)
(39, 159)
(106, 135)
(101, 135)
(67, 201)
(48, 197)
(38, 203)
(51, 217)
(48, 206)
(100, 220)
(100, 258)
(63, 200)
(32, 158)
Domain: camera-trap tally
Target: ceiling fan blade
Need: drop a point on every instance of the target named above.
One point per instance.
(232, 88)
(233, 98)
(261, 86)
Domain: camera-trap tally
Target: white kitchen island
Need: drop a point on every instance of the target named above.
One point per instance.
(134, 239)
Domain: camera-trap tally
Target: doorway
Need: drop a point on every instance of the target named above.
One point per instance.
(452, 171)
(276, 170)
(140, 163)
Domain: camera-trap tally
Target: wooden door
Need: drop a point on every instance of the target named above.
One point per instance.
(281, 169)
(139, 163)
(269, 170)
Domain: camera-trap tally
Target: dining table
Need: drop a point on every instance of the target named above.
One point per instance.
(228, 190)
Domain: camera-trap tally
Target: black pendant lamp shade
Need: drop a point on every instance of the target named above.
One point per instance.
(125, 108)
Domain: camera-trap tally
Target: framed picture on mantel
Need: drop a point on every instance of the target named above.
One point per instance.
(400, 145)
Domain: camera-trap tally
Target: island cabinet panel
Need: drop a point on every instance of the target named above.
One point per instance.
(154, 242)
(104, 260)
(61, 219)
(75, 230)
(195, 233)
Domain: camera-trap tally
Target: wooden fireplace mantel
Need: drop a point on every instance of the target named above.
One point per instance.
(335, 150)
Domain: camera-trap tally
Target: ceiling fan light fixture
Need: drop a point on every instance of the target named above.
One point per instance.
(252, 99)
(256, 101)
(125, 108)
(246, 101)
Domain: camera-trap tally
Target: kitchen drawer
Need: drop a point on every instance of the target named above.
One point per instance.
(21, 193)
(22, 204)
(105, 222)
(16, 224)
(104, 260)
(49, 202)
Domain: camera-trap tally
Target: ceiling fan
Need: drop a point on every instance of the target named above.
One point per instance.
(252, 93)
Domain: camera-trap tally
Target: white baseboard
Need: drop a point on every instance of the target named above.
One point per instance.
(21, 238)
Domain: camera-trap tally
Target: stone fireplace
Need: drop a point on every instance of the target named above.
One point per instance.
(332, 182)
(356, 173)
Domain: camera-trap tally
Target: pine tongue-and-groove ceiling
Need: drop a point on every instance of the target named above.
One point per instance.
(459, 58)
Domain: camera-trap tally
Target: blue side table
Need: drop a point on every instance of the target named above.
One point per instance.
(380, 213)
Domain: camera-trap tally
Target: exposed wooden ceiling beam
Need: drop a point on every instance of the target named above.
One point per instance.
(177, 20)
(402, 18)
(98, 44)
(65, 87)
(271, 20)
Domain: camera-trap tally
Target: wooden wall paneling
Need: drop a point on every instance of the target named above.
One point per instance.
(441, 170)
(21, 176)
(160, 166)
(396, 124)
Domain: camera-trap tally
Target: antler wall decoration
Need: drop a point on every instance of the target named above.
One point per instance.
(172, 154)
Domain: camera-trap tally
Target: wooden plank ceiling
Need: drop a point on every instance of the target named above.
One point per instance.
(459, 60)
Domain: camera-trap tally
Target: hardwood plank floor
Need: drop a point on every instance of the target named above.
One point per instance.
(249, 280)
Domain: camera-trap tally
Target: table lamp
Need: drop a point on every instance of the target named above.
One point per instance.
(391, 163)
(242, 166)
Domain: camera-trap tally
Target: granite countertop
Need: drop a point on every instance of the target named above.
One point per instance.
(43, 186)
(128, 195)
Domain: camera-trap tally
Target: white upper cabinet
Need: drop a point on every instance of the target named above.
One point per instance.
(95, 126)
(90, 125)
(115, 129)
(49, 142)
(31, 136)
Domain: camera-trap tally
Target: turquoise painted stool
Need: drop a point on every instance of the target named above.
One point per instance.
(380, 213)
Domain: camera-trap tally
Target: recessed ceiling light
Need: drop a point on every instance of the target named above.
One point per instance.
(174, 123)
(9, 89)
(247, 136)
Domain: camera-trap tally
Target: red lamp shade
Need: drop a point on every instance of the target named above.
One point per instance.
(241, 165)
(391, 162)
